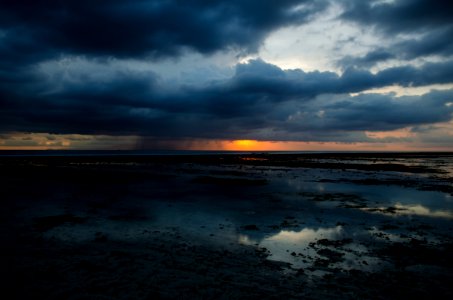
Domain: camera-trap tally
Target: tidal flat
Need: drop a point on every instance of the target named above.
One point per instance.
(227, 226)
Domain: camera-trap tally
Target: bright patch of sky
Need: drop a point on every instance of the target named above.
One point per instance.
(319, 44)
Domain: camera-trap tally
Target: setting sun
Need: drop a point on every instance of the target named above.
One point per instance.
(245, 144)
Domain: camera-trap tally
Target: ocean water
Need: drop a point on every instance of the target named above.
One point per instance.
(317, 219)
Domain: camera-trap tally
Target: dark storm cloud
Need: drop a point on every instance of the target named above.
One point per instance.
(400, 16)
(438, 42)
(102, 96)
(430, 22)
(368, 60)
(387, 112)
(33, 30)
(259, 101)
(258, 84)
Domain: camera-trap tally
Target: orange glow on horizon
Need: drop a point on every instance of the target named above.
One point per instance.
(397, 140)
(255, 145)
(243, 145)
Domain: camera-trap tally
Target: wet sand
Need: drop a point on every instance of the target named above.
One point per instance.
(321, 226)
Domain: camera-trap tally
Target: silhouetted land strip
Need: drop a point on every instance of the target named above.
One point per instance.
(308, 160)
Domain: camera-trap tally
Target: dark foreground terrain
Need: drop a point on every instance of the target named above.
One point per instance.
(227, 226)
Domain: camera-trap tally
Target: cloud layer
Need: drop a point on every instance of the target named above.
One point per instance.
(84, 67)
(33, 30)
(418, 28)
(259, 101)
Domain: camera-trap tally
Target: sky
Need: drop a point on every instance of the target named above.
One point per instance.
(227, 75)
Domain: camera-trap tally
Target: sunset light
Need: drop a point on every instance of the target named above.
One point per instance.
(245, 144)
(254, 149)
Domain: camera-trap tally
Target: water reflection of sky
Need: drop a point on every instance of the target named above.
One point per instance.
(418, 210)
(212, 215)
(443, 163)
(299, 248)
(410, 199)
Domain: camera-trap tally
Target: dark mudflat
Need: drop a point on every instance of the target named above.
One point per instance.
(339, 226)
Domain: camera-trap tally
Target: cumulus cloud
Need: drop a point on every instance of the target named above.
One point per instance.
(436, 43)
(418, 28)
(259, 101)
(400, 16)
(33, 30)
(140, 68)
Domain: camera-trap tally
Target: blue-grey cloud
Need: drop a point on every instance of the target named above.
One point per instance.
(33, 30)
(435, 43)
(430, 23)
(259, 101)
(400, 16)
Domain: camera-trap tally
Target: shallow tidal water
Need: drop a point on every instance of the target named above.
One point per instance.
(313, 222)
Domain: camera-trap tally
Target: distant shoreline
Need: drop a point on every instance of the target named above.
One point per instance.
(109, 153)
